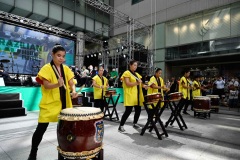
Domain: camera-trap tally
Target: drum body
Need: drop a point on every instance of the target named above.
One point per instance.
(201, 104)
(110, 92)
(155, 97)
(80, 132)
(214, 100)
(78, 101)
(175, 96)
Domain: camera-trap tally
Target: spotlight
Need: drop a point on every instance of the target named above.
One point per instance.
(99, 53)
(124, 56)
(21, 20)
(122, 47)
(87, 56)
(95, 55)
(50, 28)
(71, 34)
(117, 50)
(108, 52)
(91, 55)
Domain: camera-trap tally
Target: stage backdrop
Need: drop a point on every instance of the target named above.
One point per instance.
(32, 95)
(25, 51)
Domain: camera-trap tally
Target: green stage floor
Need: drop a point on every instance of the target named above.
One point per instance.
(32, 95)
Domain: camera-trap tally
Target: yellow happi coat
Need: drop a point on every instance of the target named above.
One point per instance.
(153, 90)
(97, 92)
(185, 91)
(50, 104)
(196, 91)
(130, 93)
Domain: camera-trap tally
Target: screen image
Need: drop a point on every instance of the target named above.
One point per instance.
(25, 51)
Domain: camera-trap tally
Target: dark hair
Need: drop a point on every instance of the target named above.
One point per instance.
(132, 62)
(158, 69)
(186, 70)
(57, 48)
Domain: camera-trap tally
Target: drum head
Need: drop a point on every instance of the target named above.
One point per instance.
(80, 113)
(213, 96)
(201, 97)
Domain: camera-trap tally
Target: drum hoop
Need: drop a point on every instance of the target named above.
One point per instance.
(82, 155)
(153, 94)
(201, 110)
(78, 117)
(175, 93)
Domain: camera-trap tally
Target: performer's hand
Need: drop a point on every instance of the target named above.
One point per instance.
(74, 94)
(60, 82)
(146, 87)
(139, 81)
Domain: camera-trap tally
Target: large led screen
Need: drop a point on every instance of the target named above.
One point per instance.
(25, 51)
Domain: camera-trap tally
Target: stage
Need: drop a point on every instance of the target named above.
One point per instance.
(32, 95)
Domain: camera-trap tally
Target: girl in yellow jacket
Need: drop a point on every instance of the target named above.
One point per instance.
(157, 85)
(55, 94)
(133, 96)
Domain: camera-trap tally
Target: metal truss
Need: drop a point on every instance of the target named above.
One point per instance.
(124, 18)
(43, 26)
(32, 23)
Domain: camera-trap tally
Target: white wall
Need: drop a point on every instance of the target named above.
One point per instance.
(165, 9)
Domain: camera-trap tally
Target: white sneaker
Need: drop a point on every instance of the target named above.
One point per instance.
(136, 126)
(121, 129)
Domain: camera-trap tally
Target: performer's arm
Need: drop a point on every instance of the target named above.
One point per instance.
(48, 85)
(131, 84)
(72, 88)
(94, 83)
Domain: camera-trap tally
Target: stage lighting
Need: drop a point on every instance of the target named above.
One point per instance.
(87, 56)
(91, 55)
(124, 56)
(108, 52)
(117, 50)
(99, 53)
(95, 55)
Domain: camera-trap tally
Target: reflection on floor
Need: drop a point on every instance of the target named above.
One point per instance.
(212, 139)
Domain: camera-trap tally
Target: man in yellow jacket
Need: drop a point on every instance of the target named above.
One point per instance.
(185, 87)
(100, 85)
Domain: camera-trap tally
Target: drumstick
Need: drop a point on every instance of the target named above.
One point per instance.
(54, 68)
(81, 88)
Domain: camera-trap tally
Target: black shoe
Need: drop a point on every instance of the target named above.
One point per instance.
(186, 113)
(32, 157)
(121, 129)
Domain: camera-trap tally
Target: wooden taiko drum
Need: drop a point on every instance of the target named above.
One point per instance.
(175, 96)
(201, 104)
(154, 97)
(78, 101)
(110, 92)
(214, 100)
(80, 132)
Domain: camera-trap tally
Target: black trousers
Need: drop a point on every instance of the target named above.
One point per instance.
(128, 111)
(185, 103)
(37, 137)
(99, 103)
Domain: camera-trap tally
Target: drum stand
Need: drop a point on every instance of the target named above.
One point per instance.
(107, 106)
(176, 113)
(151, 113)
